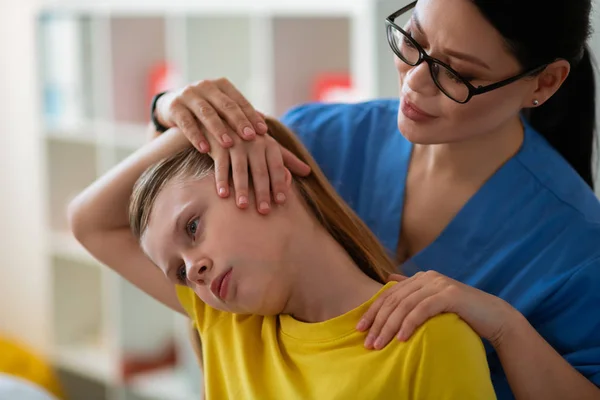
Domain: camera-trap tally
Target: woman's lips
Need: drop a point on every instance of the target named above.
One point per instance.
(220, 285)
(414, 113)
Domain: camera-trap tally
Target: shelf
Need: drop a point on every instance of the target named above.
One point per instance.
(64, 245)
(163, 384)
(81, 132)
(153, 7)
(92, 360)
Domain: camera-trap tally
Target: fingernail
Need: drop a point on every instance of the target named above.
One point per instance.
(243, 200)
(362, 325)
(222, 191)
(378, 344)
(401, 336)
(262, 126)
(249, 131)
(264, 206)
(203, 147)
(369, 341)
(280, 197)
(226, 139)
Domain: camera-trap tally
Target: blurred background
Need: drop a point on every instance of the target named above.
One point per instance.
(76, 79)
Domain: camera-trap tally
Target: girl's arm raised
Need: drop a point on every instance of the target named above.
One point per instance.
(98, 218)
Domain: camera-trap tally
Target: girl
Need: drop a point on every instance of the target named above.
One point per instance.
(275, 300)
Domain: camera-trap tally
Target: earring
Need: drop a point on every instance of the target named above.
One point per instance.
(536, 103)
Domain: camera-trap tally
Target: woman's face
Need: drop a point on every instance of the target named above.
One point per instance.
(446, 29)
(233, 259)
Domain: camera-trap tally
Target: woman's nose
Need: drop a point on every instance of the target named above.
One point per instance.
(199, 269)
(419, 80)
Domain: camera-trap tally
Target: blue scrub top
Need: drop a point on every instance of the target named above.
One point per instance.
(530, 235)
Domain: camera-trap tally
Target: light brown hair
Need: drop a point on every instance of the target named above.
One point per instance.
(327, 206)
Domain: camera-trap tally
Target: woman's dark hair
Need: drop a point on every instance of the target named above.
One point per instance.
(538, 32)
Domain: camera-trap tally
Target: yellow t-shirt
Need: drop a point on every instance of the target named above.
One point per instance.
(278, 357)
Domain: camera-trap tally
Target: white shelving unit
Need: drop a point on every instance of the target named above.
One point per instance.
(95, 61)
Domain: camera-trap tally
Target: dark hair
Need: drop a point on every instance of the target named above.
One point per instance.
(538, 32)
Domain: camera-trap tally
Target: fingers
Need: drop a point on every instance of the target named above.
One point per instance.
(208, 116)
(293, 163)
(377, 315)
(231, 112)
(186, 122)
(221, 159)
(256, 119)
(384, 312)
(276, 172)
(423, 311)
(239, 168)
(393, 323)
(260, 179)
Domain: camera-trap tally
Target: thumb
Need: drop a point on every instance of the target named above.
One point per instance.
(396, 277)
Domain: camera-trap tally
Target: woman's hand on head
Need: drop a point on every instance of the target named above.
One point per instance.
(216, 105)
(401, 309)
(265, 160)
(218, 120)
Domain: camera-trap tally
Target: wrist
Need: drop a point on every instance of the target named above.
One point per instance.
(515, 324)
(160, 107)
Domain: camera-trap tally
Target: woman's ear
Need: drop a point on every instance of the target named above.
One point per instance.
(548, 82)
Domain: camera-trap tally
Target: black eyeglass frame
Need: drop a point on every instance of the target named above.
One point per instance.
(423, 56)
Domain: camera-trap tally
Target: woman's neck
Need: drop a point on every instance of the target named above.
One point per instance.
(473, 159)
(326, 282)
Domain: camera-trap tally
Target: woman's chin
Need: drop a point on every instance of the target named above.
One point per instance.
(418, 134)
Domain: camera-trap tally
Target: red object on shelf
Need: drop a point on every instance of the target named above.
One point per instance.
(163, 76)
(333, 87)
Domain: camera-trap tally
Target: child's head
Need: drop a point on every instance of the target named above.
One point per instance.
(196, 237)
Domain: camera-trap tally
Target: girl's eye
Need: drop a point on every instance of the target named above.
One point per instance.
(192, 227)
(181, 275)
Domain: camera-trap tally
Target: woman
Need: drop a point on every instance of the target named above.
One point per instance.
(484, 180)
(234, 273)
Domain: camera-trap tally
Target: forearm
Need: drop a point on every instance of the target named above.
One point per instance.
(103, 205)
(536, 371)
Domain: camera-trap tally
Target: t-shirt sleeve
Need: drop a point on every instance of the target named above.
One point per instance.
(448, 361)
(570, 320)
(202, 315)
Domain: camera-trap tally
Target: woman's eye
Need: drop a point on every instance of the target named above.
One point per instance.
(192, 227)
(181, 274)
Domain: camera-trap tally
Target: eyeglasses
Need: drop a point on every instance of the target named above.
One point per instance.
(450, 82)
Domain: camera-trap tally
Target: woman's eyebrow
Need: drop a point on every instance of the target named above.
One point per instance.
(450, 52)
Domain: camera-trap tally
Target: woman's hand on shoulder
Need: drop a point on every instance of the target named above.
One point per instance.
(217, 119)
(401, 309)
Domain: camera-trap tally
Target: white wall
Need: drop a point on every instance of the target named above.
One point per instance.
(22, 280)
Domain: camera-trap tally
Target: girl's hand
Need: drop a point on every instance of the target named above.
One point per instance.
(400, 310)
(217, 119)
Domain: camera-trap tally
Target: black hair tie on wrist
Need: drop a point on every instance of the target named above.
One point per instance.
(157, 125)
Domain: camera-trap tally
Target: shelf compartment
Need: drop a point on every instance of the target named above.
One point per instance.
(301, 55)
(71, 167)
(80, 331)
(65, 43)
(138, 46)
